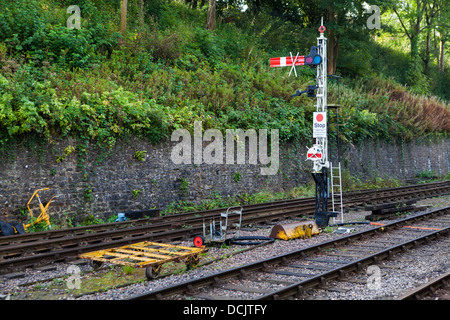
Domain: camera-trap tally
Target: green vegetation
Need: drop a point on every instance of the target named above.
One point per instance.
(67, 152)
(37, 227)
(218, 201)
(426, 174)
(349, 182)
(140, 155)
(99, 84)
(167, 71)
(136, 193)
(114, 277)
(184, 185)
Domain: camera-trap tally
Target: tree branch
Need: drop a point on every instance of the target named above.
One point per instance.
(399, 18)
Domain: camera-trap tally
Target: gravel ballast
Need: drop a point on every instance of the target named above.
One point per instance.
(414, 269)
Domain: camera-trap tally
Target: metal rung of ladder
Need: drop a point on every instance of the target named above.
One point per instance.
(336, 193)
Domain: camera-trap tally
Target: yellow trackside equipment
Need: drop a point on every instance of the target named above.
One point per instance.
(293, 230)
(43, 216)
(146, 254)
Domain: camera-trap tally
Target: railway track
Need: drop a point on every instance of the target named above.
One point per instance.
(358, 198)
(295, 273)
(35, 249)
(430, 289)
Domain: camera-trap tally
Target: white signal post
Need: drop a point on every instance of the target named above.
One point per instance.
(321, 106)
(318, 58)
(318, 153)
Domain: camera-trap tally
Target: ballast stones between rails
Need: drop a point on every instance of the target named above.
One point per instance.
(234, 259)
(191, 288)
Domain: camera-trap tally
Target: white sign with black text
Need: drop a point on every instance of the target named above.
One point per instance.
(319, 124)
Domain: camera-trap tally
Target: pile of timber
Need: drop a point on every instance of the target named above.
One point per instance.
(389, 210)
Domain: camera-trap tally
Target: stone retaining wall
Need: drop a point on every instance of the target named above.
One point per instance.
(101, 181)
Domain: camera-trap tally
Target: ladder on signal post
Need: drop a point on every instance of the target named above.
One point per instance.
(336, 190)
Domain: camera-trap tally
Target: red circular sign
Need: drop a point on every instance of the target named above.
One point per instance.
(319, 117)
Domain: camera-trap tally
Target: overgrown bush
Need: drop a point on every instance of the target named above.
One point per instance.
(169, 72)
(38, 31)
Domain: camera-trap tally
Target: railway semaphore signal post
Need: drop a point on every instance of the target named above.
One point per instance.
(318, 153)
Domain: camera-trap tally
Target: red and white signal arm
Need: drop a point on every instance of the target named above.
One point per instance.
(319, 124)
(314, 153)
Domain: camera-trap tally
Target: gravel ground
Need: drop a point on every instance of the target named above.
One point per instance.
(424, 267)
(399, 275)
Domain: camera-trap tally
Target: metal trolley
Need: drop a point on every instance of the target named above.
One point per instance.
(149, 255)
(220, 236)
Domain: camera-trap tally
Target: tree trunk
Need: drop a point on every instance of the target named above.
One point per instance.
(414, 33)
(415, 36)
(441, 55)
(123, 17)
(333, 48)
(211, 18)
(141, 14)
(427, 53)
(333, 45)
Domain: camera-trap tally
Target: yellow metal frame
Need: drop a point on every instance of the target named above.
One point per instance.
(145, 254)
(43, 216)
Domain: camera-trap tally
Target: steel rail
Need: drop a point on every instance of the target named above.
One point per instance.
(169, 219)
(27, 255)
(155, 231)
(64, 248)
(339, 272)
(358, 198)
(189, 287)
(428, 288)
